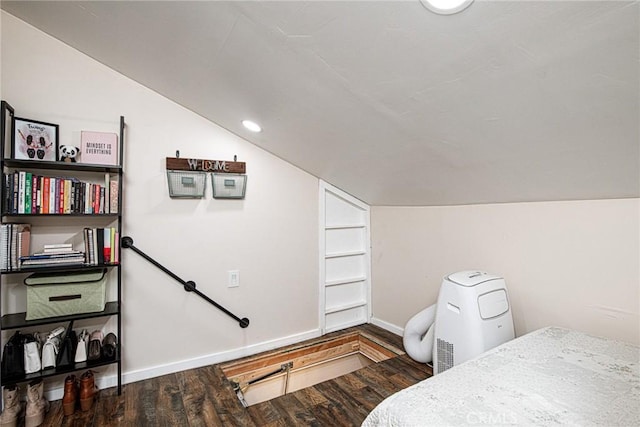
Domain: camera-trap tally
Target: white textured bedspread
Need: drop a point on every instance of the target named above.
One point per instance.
(552, 376)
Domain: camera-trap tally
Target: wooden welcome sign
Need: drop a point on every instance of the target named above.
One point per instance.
(218, 166)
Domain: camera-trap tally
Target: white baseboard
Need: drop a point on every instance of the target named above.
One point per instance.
(388, 326)
(102, 382)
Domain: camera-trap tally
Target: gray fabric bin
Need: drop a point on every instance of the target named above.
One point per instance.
(63, 294)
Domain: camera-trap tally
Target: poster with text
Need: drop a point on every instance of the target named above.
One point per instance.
(98, 148)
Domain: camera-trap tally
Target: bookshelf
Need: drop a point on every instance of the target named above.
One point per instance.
(93, 202)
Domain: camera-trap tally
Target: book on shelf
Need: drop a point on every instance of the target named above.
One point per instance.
(28, 192)
(57, 246)
(6, 201)
(52, 195)
(56, 196)
(100, 245)
(4, 247)
(16, 187)
(67, 196)
(42, 255)
(106, 189)
(53, 262)
(116, 248)
(112, 239)
(106, 245)
(101, 204)
(21, 187)
(94, 245)
(53, 255)
(44, 204)
(24, 240)
(113, 196)
(34, 193)
(57, 249)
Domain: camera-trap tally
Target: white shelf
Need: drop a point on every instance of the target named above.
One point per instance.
(345, 307)
(344, 254)
(343, 226)
(345, 281)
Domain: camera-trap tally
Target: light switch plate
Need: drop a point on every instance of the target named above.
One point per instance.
(234, 278)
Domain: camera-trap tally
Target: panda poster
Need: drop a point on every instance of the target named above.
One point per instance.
(34, 140)
(98, 148)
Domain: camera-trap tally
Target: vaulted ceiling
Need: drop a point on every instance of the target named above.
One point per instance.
(506, 101)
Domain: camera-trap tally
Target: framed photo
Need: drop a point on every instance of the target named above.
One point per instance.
(34, 140)
(6, 126)
(98, 148)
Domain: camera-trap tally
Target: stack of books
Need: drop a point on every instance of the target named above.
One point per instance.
(14, 243)
(58, 254)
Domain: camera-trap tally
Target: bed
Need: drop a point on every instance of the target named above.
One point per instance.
(552, 376)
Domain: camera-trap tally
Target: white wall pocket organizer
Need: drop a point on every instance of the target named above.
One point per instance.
(63, 294)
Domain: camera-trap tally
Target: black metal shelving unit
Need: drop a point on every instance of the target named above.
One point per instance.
(16, 321)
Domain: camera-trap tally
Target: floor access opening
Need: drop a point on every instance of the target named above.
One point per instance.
(266, 376)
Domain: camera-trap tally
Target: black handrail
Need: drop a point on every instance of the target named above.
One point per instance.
(190, 286)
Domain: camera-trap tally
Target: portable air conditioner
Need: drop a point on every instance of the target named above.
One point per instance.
(472, 316)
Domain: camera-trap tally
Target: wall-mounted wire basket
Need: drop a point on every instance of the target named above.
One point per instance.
(186, 185)
(228, 185)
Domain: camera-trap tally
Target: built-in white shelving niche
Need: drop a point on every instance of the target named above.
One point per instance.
(345, 258)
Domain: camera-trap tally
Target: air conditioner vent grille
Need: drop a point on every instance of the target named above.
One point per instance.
(445, 355)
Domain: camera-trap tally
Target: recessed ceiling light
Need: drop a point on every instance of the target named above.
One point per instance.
(252, 126)
(446, 7)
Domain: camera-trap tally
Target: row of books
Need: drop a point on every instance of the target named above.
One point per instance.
(29, 193)
(100, 247)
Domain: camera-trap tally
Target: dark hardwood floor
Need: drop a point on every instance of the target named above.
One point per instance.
(204, 397)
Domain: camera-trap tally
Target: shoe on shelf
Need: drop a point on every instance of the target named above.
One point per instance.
(109, 346)
(95, 346)
(37, 405)
(70, 398)
(87, 391)
(12, 407)
(83, 347)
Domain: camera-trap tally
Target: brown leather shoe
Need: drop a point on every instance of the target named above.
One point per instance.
(87, 391)
(70, 397)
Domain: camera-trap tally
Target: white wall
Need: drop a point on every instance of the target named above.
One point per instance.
(271, 236)
(573, 264)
